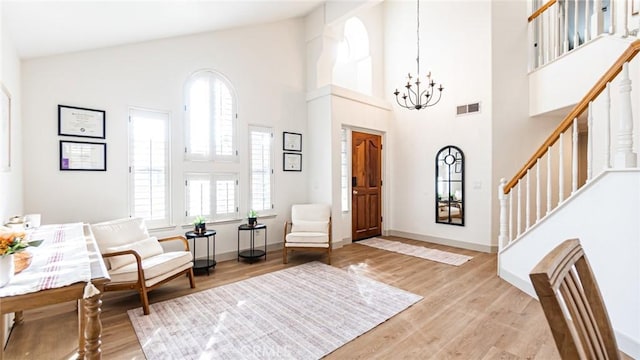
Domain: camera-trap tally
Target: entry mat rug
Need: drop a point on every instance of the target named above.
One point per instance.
(417, 251)
(303, 312)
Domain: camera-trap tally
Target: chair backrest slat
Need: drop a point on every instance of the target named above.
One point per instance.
(573, 305)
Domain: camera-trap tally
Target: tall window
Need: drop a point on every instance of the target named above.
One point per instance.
(210, 118)
(261, 168)
(353, 69)
(214, 196)
(149, 166)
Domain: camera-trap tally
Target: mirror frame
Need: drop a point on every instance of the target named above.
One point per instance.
(452, 158)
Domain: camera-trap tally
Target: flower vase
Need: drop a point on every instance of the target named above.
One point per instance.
(6, 269)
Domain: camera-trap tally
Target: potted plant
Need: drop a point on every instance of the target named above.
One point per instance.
(252, 217)
(200, 224)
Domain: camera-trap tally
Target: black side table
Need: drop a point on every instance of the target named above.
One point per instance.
(252, 252)
(210, 261)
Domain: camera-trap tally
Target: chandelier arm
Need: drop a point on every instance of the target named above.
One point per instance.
(439, 97)
(398, 101)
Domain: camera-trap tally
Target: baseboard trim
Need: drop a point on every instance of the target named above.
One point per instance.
(443, 241)
(628, 345)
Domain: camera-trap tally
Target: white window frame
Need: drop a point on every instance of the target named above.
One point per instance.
(166, 220)
(345, 166)
(188, 178)
(212, 155)
(236, 211)
(269, 131)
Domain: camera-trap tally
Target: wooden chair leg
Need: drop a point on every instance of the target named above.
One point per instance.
(192, 281)
(285, 259)
(145, 300)
(329, 256)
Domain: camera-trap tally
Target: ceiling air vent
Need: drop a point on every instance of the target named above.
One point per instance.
(468, 109)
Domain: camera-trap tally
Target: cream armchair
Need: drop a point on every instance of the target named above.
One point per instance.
(309, 229)
(136, 261)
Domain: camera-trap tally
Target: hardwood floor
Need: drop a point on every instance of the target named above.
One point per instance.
(467, 311)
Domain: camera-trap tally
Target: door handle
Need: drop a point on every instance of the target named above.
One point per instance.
(355, 192)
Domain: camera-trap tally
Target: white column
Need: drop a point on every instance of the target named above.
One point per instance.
(625, 157)
(574, 157)
(607, 127)
(538, 201)
(590, 142)
(549, 188)
(561, 170)
(503, 240)
(527, 209)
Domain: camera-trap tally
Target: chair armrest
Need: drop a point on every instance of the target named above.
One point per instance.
(138, 261)
(287, 224)
(176, 238)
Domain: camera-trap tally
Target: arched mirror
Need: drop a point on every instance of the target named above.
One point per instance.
(450, 186)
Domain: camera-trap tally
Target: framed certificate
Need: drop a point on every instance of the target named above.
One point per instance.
(291, 162)
(5, 129)
(291, 141)
(75, 121)
(88, 156)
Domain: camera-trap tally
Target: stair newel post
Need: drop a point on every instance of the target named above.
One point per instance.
(527, 209)
(549, 179)
(625, 157)
(590, 142)
(561, 169)
(511, 214)
(538, 190)
(607, 127)
(519, 210)
(502, 237)
(574, 156)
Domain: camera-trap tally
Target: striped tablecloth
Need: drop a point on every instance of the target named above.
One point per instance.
(62, 259)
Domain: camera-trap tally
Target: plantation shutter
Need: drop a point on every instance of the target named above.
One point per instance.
(261, 168)
(198, 195)
(226, 196)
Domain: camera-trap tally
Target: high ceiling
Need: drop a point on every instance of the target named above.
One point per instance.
(44, 27)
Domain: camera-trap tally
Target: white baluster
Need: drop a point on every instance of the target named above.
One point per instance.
(590, 142)
(607, 127)
(576, 37)
(527, 209)
(587, 22)
(596, 26)
(539, 29)
(502, 237)
(565, 36)
(574, 157)
(519, 210)
(611, 12)
(538, 201)
(549, 189)
(511, 215)
(561, 170)
(625, 21)
(625, 157)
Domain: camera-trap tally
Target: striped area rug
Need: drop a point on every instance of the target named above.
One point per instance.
(303, 312)
(417, 251)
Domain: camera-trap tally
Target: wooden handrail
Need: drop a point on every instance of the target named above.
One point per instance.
(577, 110)
(541, 10)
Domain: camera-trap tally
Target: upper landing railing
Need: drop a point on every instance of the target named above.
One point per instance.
(559, 26)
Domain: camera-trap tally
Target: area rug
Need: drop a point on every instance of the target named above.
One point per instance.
(303, 312)
(417, 251)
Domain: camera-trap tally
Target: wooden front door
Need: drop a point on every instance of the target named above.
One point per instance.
(366, 183)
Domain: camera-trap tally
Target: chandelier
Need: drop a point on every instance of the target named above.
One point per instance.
(414, 98)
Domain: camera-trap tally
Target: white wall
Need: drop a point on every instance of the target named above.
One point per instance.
(264, 63)
(565, 81)
(609, 234)
(456, 46)
(11, 181)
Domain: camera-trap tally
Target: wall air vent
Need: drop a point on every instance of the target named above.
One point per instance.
(468, 109)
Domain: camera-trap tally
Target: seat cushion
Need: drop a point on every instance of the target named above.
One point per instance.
(307, 237)
(119, 232)
(311, 226)
(310, 212)
(154, 266)
(145, 248)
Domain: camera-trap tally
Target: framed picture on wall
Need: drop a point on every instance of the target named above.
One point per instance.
(5, 129)
(83, 156)
(291, 162)
(291, 141)
(75, 121)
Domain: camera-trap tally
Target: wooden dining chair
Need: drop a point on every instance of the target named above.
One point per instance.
(573, 305)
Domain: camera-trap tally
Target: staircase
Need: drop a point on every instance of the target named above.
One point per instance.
(583, 182)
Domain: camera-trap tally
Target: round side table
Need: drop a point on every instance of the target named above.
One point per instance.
(210, 261)
(252, 253)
